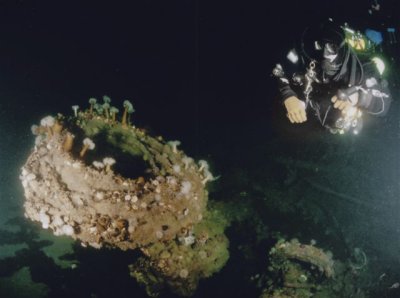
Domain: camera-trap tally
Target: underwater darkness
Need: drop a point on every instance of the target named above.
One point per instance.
(199, 72)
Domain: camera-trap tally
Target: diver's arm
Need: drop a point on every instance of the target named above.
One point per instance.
(284, 87)
(376, 99)
(296, 109)
(287, 74)
(294, 106)
(371, 100)
(374, 94)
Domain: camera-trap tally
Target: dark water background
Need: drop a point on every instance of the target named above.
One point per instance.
(198, 71)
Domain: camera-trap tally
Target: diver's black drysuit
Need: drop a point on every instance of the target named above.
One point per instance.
(317, 81)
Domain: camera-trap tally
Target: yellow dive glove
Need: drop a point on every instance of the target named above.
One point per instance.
(345, 105)
(296, 109)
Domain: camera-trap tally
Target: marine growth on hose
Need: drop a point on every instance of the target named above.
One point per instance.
(73, 187)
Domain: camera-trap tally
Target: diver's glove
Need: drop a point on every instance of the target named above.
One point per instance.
(296, 109)
(346, 98)
(342, 105)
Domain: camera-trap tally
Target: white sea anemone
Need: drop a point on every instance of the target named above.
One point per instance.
(108, 162)
(98, 165)
(176, 168)
(186, 187)
(75, 108)
(203, 165)
(208, 177)
(128, 109)
(88, 144)
(174, 145)
(44, 219)
(187, 161)
(47, 121)
(68, 230)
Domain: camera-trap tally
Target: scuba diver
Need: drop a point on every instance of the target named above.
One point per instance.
(331, 74)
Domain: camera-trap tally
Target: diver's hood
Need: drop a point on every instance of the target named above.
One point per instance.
(326, 43)
(322, 41)
(331, 62)
(330, 69)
